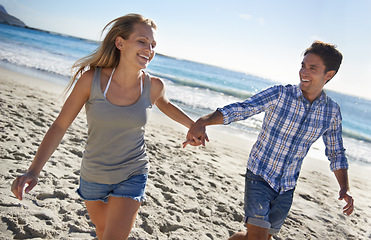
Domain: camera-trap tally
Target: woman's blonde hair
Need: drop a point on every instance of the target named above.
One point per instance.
(107, 55)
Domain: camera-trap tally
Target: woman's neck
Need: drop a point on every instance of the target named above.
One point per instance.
(127, 74)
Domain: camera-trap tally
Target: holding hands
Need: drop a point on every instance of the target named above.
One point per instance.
(196, 135)
(197, 132)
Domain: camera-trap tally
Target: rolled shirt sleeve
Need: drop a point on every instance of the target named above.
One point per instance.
(333, 140)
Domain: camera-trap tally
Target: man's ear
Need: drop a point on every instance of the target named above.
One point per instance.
(329, 75)
(119, 42)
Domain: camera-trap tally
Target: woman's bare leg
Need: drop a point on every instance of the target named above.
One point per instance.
(121, 214)
(98, 214)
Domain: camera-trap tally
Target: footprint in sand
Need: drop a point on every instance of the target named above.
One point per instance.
(57, 194)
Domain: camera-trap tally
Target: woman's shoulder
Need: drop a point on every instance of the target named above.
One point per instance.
(89, 73)
(156, 81)
(85, 81)
(88, 76)
(157, 84)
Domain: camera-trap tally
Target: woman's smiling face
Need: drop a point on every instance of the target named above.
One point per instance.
(138, 49)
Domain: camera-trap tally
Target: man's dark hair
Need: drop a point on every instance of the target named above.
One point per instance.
(330, 56)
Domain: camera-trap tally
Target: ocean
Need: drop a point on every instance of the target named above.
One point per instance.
(195, 87)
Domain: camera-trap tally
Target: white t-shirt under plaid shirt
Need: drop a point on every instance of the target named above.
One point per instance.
(291, 125)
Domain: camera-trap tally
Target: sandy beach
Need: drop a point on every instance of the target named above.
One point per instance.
(192, 193)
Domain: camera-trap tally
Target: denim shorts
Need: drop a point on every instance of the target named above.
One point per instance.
(133, 188)
(264, 207)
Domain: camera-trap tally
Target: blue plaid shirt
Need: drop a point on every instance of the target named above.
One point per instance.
(291, 125)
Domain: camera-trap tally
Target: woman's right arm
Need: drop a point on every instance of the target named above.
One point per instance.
(76, 100)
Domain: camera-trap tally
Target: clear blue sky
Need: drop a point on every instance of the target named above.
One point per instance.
(264, 38)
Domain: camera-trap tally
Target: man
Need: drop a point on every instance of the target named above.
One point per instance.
(295, 117)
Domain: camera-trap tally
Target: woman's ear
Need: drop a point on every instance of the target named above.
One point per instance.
(119, 42)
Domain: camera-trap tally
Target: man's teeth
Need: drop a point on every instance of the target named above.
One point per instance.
(305, 80)
(144, 57)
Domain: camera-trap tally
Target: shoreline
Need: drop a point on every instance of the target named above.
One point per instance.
(192, 193)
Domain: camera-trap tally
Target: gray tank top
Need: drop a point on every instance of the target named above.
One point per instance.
(115, 149)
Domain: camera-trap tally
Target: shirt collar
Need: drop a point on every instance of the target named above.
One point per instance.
(321, 100)
(298, 93)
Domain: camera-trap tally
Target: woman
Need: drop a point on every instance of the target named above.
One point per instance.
(117, 95)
